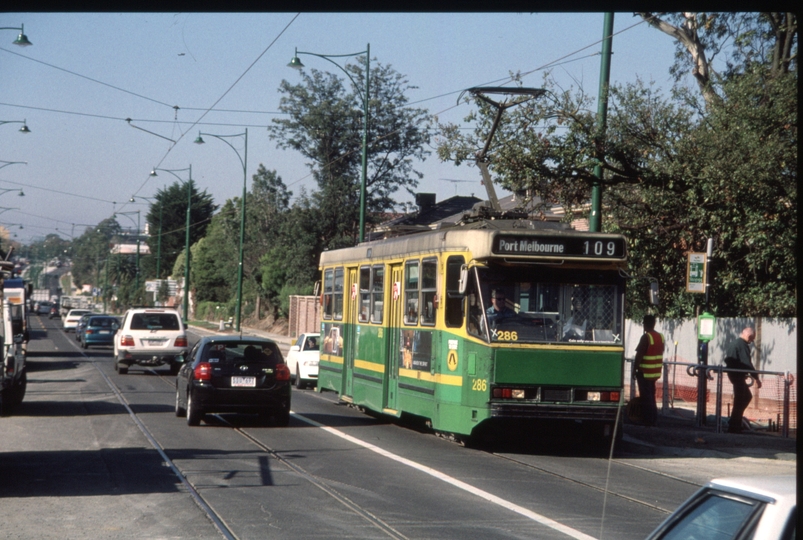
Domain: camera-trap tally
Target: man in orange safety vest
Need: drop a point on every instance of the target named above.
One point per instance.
(649, 364)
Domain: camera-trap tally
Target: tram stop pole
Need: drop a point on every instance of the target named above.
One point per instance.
(706, 325)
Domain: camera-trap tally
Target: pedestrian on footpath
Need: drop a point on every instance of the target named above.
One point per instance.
(649, 364)
(737, 356)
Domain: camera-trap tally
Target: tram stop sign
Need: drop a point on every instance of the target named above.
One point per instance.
(695, 273)
(706, 327)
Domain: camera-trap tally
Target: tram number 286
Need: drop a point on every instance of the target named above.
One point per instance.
(479, 385)
(599, 248)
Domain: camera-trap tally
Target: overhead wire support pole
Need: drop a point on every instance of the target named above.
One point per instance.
(244, 162)
(595, 219)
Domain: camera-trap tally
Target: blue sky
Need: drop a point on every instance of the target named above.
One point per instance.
(86, 73)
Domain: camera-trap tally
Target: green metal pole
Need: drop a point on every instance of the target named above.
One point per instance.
(365, 141)
(105, 283)
(159, 245)
(242, 238)
(595, 220)
(137, 280)
(187, 250)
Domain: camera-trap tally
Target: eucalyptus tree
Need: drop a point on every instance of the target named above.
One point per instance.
(324, 122)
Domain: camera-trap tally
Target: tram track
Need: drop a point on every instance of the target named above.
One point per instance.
(395, 534)
(318, 482)
(324, 485)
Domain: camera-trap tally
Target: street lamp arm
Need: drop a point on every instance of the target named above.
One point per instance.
(199, 140)
(7, 163)
(173, 172)
(296, 63)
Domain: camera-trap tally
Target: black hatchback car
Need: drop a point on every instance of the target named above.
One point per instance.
(234, 375)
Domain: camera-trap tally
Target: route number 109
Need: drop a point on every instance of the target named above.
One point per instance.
(599, 248)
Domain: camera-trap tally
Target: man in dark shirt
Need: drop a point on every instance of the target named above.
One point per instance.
(737, 356)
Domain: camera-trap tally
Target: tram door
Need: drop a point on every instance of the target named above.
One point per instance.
(395, 340)
(350, 331)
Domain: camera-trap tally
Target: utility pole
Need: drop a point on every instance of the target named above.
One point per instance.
(595, 220)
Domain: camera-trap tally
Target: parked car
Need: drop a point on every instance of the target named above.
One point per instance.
(81, 324)
(150, 337)
(756, 507)
(99, 330)
(235, 375)
(72, 318)
(302, 359)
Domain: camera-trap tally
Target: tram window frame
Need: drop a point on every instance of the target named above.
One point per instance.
(428, 284)
(337, 294)
(365, 295)
(328, 293)
(455, 302)
(411, 291)
(377, 293)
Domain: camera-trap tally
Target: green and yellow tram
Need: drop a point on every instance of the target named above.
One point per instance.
(489, 323)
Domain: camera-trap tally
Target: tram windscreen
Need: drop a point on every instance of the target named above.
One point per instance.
(536, 305)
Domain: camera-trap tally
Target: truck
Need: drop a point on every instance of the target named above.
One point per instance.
(74, 302)
(40, 295)
(13, 338)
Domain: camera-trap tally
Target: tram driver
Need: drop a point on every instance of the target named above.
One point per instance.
(498, 311)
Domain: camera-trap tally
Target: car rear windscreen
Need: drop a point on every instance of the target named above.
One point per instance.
(155, 321)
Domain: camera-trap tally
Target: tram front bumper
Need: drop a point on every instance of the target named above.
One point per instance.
(553, 411)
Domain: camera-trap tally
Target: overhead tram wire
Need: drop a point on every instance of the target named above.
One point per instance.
(181, 136)
(209, 109)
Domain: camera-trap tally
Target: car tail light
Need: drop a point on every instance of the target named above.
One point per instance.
(282, 372)
(203, 372)
(89, 331)
(181, 341)
(127, 341)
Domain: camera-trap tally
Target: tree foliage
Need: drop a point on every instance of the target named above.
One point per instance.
(170, 204)
(325, 124)
(676, 169)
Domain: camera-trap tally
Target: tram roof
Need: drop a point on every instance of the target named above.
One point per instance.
(475, 237)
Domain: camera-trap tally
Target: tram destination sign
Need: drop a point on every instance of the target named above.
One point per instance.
(554, 246)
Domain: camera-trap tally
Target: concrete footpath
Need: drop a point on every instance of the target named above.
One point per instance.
(675, 436)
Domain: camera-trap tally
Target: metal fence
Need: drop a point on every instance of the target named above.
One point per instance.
(773, 407)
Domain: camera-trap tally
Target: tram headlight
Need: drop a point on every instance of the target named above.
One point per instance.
(594, 396)
(509, 393)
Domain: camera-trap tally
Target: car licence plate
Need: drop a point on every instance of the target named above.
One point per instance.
(104, 331)
(244, 381)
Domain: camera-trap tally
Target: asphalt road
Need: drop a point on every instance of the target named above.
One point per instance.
(93, 454)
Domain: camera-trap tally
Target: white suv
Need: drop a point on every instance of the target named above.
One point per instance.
(150, 337)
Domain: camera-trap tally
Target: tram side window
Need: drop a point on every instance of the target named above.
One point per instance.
(328, 291)
(377, 293)
(429, 279)
(411, 292)
(454, 301)
(338, 294)
(365, 294)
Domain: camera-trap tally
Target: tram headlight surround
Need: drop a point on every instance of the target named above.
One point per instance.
(509, 393)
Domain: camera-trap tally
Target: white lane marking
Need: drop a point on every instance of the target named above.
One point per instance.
(543, 520)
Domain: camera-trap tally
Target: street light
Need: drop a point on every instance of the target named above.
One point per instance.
(186, 234)
(159, 237)
(22, 39)
(7, 163)
(295, 63)
(244, 163)
(127, 214)
(3, 191)
(23, 129)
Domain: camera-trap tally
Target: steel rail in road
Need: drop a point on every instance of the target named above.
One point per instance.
(199, 500)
